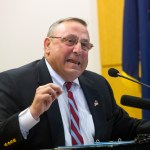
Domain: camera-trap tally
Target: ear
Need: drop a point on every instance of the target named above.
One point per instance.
(47, 42)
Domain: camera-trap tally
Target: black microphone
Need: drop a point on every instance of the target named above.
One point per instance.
(136, 102)
(115, 73)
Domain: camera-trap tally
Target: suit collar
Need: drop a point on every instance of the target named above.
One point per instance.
(43, 73)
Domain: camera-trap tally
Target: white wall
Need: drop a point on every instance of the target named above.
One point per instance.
(24, 25)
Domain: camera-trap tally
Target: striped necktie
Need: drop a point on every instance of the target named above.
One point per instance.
(76, 136)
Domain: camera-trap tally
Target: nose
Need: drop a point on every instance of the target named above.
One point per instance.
(77, 48)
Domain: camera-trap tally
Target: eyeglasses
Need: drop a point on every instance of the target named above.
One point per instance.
(72, 40)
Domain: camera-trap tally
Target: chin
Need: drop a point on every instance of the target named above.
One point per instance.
(72, 75)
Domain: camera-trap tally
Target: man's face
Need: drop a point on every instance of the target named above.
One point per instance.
(69, 61)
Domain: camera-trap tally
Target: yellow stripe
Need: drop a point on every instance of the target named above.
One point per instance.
(110, 22)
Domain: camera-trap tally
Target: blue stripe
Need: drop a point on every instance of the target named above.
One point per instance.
(72, 104)
(75, 123)
(75, 137)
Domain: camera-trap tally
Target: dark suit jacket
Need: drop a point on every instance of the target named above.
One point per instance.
(17, 90)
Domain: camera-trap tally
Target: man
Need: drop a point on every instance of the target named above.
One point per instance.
(34, 99)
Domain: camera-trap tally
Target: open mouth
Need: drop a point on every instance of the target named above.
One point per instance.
(73, 61)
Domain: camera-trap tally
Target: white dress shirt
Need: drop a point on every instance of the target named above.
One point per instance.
(85, 117)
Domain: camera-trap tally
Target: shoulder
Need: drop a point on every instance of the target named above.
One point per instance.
(28, 67)
(21, 73)
(92, 75)
(94, 79)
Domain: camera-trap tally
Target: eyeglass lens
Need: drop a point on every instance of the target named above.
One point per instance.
(71, 40)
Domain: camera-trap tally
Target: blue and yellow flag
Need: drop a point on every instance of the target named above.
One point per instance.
(110, 22)
(136, 43)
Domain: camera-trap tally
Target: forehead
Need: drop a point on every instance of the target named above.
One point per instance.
(72, 27)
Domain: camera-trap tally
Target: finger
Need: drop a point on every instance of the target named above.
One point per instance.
(56, 88)
(44, 90)
(54, 94)
(53, 89)
(48, 87)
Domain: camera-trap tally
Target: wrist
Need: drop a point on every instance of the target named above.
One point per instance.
(34, 114)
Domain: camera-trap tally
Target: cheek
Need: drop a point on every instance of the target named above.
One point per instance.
(85, 57)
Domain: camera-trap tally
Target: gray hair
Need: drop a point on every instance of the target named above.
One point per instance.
(55, 24)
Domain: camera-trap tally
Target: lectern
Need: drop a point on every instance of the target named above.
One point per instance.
(119, 145)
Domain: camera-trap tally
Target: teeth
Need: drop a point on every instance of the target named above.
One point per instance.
(75, 62)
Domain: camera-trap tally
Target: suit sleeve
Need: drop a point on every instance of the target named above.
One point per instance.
(10, 134)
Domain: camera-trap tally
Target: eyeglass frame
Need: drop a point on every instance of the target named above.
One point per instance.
(64, 39)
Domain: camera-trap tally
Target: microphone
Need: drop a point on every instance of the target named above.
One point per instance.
(115, 73)
(136, 102)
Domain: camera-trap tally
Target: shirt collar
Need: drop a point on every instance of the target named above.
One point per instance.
(57, 78)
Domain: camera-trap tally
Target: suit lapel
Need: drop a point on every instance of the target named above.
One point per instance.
(54, 116)
(94, 101)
